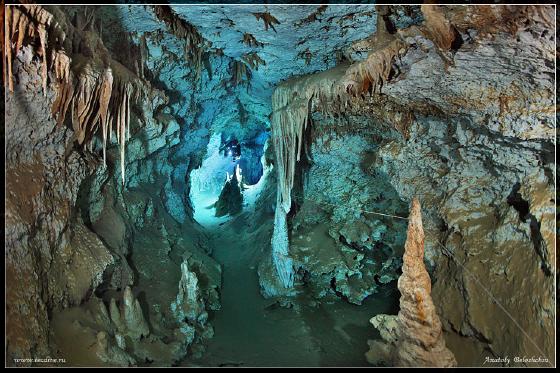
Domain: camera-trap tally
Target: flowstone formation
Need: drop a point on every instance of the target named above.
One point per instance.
(414, 338)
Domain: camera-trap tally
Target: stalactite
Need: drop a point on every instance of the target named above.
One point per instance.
(291, 103)
(370, 74)
(122, 147)
(437, 27)
(194, 42)
(25, 20)
(143, 54)
(128, 93)
(253, 60)
(8, 48)
(197, 62)
(43, 38)
(240, 73)
(251, 41)
(330, 92)
(110, 128)
(313, 17)
(268, 19)
(96, 89)
(29, 21)
(104, 100)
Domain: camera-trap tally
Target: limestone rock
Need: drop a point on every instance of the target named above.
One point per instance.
(116, 315)
(188, 303)
(415, 337)
(111, 353)
(136, 325)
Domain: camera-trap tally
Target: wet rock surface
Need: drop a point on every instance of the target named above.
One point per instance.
(106, 264)
(467, 153)
(52, 259)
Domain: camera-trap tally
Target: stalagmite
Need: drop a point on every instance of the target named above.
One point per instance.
(107, 352)
(414, 337)
(280, 245)
(188, 298)
(188, 307)
(287, 131)
(136, 325)
(115, 315)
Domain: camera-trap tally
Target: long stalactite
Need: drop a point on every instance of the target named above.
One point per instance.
(344, 86)
(95, 88)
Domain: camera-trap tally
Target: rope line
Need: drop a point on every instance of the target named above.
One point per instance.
(360, 210)
(466, 271)
(494, 299)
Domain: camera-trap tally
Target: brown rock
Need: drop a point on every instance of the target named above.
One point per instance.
(417, 338)
(133, 317)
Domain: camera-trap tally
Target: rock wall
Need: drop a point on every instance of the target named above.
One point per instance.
(77, 236)
(52, 258)
(340, 195)
(492, 152)
(466, 124)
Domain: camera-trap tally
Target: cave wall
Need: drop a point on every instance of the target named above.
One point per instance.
(491, 148)
(467, 126)
(469, 130)
(340, 195)
(77, 236)
(52, 258)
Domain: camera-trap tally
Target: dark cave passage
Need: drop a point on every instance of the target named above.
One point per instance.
(279, 185)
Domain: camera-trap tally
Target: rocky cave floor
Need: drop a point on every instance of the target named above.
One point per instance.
(249, 330)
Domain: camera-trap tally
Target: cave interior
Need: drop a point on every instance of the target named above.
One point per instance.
(280, 185)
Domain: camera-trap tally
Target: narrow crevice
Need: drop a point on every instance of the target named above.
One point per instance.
(521, 205)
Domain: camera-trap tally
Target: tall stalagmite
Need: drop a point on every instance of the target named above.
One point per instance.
(414, 337)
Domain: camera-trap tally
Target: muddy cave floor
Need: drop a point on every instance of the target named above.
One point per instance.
(248, 329)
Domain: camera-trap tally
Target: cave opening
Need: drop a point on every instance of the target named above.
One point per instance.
(294, 185)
